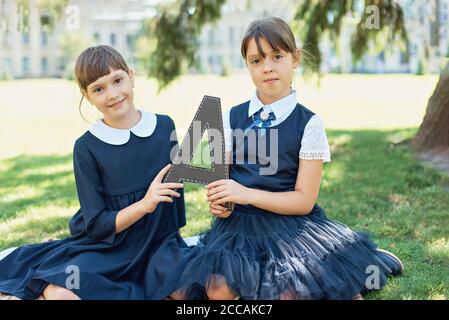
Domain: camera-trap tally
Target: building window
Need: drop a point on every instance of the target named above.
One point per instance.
(25, 65)
(231, 35)
(7, 39)
(112, 39)
(405, 57)
(211, 38)
(61, 64)
(44, 65)
(25, 38)
(44, 39)
(129, 40)
(8, 66)
(97, 37)
(238, 62)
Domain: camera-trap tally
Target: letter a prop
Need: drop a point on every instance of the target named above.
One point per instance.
(208, 117)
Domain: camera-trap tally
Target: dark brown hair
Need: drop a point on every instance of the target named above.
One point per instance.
(94, 63)
(275, 31)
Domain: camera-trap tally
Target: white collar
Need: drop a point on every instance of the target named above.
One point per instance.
(280, 107)
(144, 128)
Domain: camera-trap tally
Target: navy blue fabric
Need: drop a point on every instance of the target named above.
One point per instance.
(262, 254)
(112, 266)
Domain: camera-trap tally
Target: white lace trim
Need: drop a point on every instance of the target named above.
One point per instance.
(314, 144)
(314, 156)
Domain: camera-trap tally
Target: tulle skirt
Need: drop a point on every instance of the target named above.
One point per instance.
(266, 256)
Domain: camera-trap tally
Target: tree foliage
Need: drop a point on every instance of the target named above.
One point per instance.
(178, 25)
(176, 29)
(51, 11)
(318, 18)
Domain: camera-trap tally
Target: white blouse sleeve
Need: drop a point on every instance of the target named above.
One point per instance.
(227, 131)
(314, 144)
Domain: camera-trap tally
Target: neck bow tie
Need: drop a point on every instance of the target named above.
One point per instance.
(261, 119)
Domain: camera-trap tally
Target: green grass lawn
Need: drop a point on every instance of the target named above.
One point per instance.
(370, 185)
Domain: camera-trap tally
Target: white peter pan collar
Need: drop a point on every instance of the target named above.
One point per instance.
(144, 128)
(280, 107)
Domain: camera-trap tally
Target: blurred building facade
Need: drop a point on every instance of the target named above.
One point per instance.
(220, 42)
(40, 53)
(37, 52)
(427, 25)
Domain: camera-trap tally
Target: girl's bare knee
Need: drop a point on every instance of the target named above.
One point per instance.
(53, 292)
(177, 295)
(217, 289)
(289, 295)
(220, 293)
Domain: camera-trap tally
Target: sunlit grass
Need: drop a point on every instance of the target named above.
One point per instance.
(370, 185)
(41, 116)
(373, 183)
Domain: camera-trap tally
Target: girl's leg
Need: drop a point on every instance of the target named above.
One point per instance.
(358, 297)
(217, 289)
(53, 292)
(177, 295)
(4, 296)
(288, 295)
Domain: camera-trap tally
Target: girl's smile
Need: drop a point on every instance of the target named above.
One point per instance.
(113, 96)
(117, 104)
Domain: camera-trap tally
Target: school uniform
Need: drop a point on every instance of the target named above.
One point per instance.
(263, 254)
(113, 169)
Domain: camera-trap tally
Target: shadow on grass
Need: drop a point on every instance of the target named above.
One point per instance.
(372, 184)
(31, 183)
(375, 184)
(35, 231)
(56, 188)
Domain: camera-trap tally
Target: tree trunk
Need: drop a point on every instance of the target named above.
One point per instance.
(433, 134)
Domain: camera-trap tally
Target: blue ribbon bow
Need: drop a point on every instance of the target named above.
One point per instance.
(261, 119)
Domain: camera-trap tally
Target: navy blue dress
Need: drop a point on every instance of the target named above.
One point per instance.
(111, 266)
(262, 254)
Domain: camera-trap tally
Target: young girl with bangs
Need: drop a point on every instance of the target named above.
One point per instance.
(126, 211)
(277, 243)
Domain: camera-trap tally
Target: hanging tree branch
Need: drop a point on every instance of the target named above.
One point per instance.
(318, 17)
(51, 11)
(176, 29)
(179, 24)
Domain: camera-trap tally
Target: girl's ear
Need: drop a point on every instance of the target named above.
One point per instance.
(296, 58)
(85, 95)
(131, 76)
